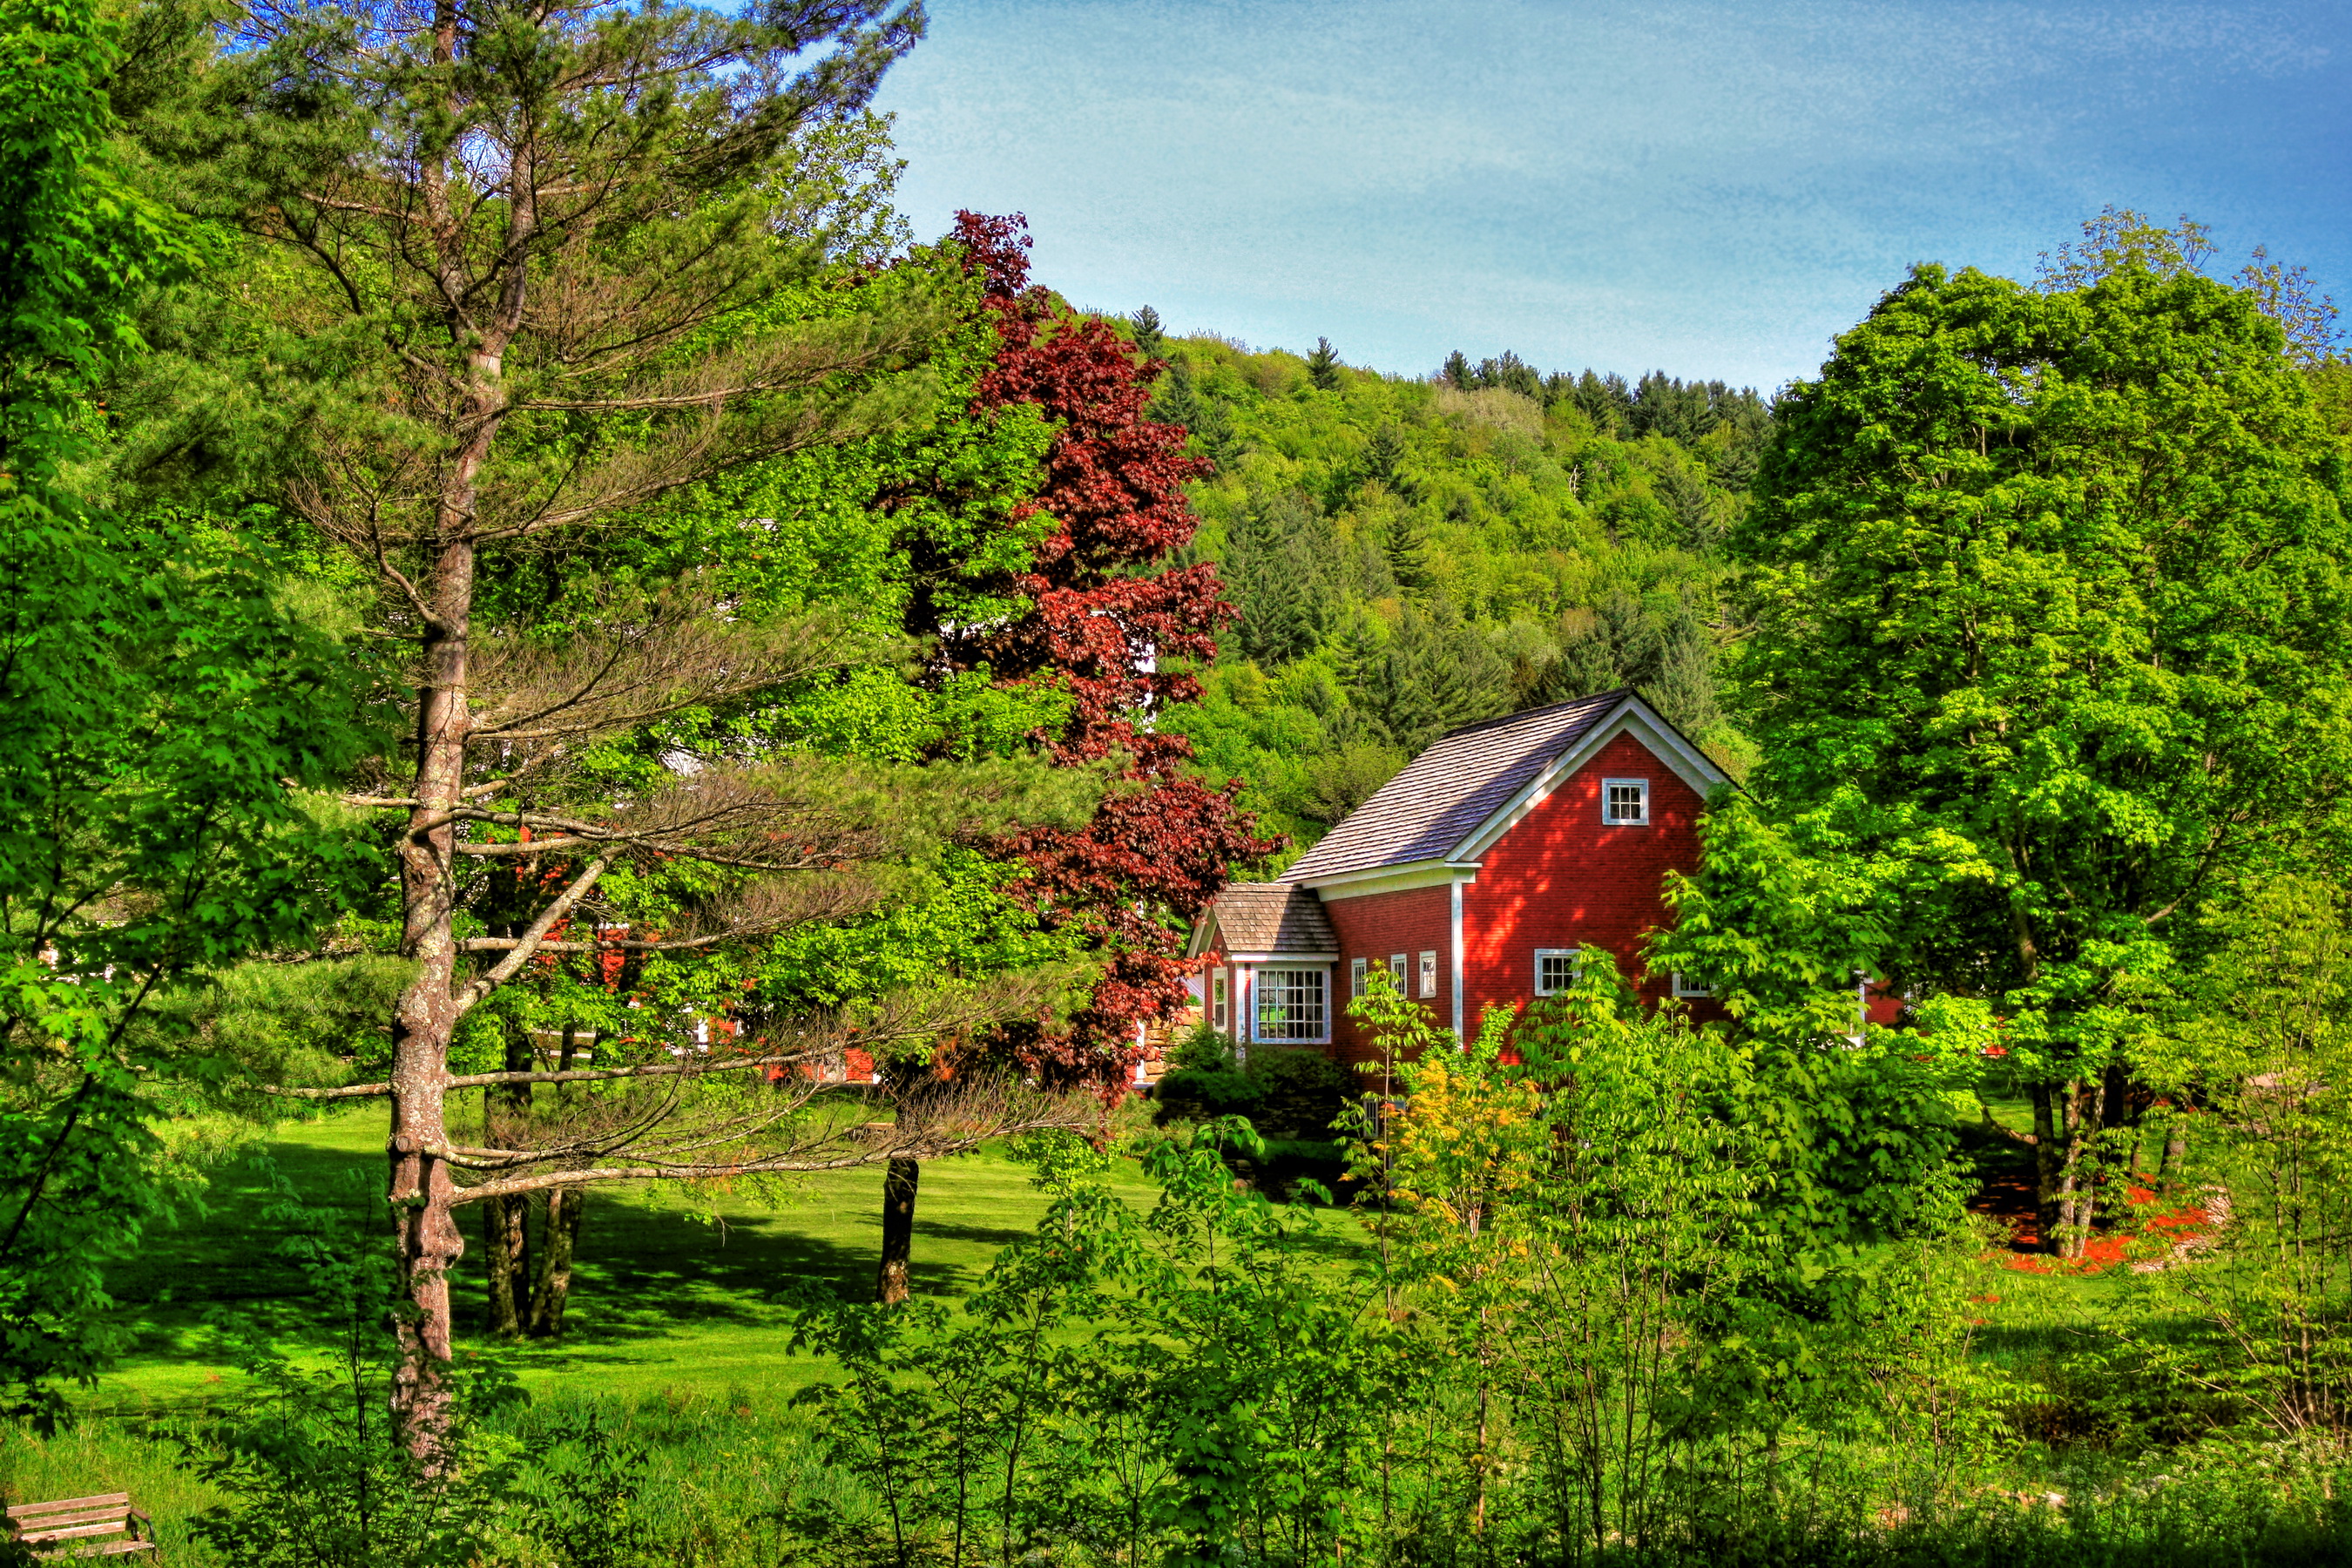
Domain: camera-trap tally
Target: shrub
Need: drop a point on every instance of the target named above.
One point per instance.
(1195, 1095)
(1203, 1049)
(1303, 1093)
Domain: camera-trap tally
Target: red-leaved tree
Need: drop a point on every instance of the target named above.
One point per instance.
(1105, 614)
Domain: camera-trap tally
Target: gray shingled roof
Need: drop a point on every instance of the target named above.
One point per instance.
(1446, 791)
(1268, 917)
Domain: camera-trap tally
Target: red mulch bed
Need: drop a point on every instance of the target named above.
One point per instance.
(2009, 1199)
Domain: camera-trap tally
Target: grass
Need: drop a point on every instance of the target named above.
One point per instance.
(668, 1298)
(671, 1300)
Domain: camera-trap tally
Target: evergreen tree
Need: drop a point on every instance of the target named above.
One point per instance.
(581, 328)
(1404, 544)
(1510, 374)
(1605, 401)
(1276, 565)
(1323, 366)
(1384, 456)
(1458, 373)
(1662, 405)
(1178, 402)
(1435, 675)
(1150, 338)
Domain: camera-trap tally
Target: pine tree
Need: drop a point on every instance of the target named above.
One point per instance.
(1149, 336)
(544, 298)
(1605, 401)
(1510, 374)
(1458, 373)
(1406, 546)
(1323, 366)
(1663, 405)
(1275, 570)
(1178, 402)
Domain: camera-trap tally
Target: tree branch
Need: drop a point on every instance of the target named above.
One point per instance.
(509, 966)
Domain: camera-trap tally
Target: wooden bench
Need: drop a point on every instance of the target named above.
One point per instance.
(78, 1526)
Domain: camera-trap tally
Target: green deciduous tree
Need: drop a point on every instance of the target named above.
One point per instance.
(2252, 1049)
(2051, 613)
(163, 715)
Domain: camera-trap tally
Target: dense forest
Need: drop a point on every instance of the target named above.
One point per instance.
(1413, 554)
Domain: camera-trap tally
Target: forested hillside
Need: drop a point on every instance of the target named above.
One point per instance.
(1409, 555)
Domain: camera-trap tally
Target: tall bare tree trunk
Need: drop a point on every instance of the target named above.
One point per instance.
(421, 1188)
(506, 1247)
(558, 1240)
(559, 1232)
(2049, 1158)
(898, 1183)
(506, 1237)
(429, 1011)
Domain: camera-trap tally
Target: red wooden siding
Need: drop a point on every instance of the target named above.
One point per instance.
(1561, 878)
(1376, 927)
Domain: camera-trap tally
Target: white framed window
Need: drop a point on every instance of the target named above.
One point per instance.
(1220, 1009)
(1357, 969)
(1292, 1006)
(1557, 968)
(1625, 803)
(1429, 974)
(1396, 973)
(1685, 986)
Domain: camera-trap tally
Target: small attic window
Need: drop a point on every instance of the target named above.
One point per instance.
(1625, 803)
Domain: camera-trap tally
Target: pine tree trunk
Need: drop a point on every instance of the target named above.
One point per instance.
(421, 1190)
(558, 1239)
(898, 1184)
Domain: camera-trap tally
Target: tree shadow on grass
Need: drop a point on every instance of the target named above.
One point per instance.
(646, 1272)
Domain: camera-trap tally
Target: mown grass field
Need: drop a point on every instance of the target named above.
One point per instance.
(671, 1299)
(665, 1297)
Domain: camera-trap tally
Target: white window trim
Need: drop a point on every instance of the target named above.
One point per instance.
(1576, 966)
(1257, 1007)
(1358, 969)
(1428, 974)
(1220, 999)
(1687, 987)
(1641, 821)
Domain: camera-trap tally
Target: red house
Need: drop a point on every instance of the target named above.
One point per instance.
(1476, 875)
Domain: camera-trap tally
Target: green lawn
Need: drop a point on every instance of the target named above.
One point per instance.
(662, 1299)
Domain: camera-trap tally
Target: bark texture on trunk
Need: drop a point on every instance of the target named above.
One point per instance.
(507, 1250)
(505, 1234)
(559, 1237)
(421, 1188)
(898, 1184)
(2048, 1159)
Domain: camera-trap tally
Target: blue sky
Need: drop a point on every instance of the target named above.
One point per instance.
(1712, 188)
